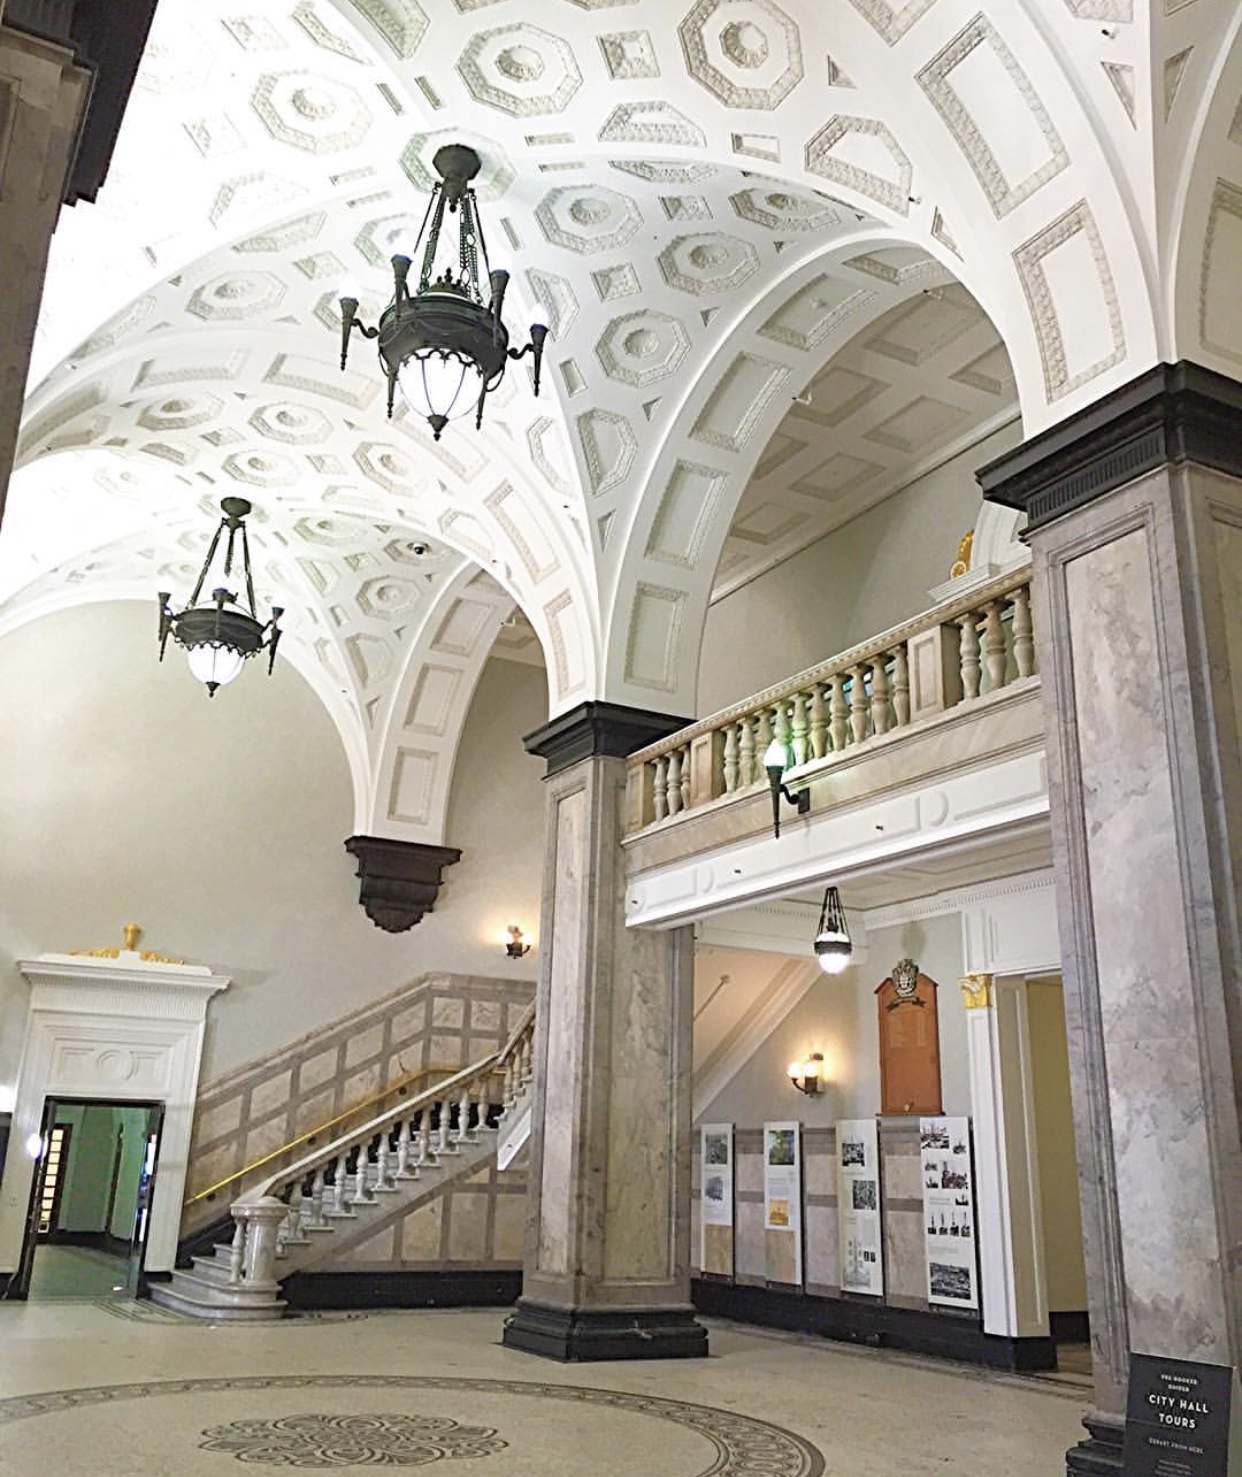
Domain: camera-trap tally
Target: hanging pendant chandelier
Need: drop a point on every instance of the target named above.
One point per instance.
(219, 637)
(833, 948)
(443, 344)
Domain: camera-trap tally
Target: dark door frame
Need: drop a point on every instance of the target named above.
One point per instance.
(18, 1287)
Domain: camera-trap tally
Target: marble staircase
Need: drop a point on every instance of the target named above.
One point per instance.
(343, 1193)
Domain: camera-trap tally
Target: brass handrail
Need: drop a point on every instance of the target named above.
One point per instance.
(311, 1134)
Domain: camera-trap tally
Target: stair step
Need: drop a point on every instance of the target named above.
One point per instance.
(213, 1270)
(168, 1295)
(219, 1292)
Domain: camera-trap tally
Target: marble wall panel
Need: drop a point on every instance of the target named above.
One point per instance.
(1162, 1158)
(264, 1105)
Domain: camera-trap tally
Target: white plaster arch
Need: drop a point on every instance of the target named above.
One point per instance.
(203, 405)
(1203, 280)
(782, 343)
(414, 745)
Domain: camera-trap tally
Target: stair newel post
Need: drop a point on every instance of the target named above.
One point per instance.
(261, 1223)
(424, 1137)
(381, 1162)
(237, 1251)
(403, 1151)
(443, 1144)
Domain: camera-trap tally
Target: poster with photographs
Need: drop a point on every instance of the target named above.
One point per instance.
(716, 1199)
(858, 1207)
(949, 1212)
(782, 1201)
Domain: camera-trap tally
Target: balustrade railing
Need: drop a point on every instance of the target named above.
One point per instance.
(956, 653)
(330, 1183)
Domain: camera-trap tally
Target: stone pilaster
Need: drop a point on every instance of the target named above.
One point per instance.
(1009, 1229)
(607, 1271)
(1136, 530)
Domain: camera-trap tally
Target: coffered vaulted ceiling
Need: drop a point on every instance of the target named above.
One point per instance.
(790, 255)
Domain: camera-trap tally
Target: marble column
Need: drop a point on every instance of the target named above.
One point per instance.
(607, 1267)
(43, 95)
(1135, 523)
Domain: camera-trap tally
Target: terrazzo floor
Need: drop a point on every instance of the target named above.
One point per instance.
(108, 1388)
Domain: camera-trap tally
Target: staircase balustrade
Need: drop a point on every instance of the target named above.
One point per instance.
(341, 1181)
(959, 652)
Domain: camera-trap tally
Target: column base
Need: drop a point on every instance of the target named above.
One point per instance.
(1101, 1454)
(578, 1335)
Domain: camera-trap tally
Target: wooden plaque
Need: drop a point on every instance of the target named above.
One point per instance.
(909, 1049)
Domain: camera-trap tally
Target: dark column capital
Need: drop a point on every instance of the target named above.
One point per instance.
(591, 729)
(400, 879)
(1174, 413)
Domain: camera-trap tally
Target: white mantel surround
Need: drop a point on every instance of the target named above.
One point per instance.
(115, 1029)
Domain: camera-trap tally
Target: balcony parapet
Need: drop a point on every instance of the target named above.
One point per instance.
(934, 668)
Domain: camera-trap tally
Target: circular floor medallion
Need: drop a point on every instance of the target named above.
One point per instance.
(350, 1440)
(742, 1445)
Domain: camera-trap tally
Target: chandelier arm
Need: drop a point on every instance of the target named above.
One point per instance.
(245, 540)
(470, 244)
(211, 554)
(430, 227)
(478, 227)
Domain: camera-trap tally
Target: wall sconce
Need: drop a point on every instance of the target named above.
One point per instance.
(833, 948)
(776, 759)
(517, 945)
(806, 1076)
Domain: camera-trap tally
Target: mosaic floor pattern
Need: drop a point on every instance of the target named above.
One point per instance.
(85, 1392)
(351, 1427)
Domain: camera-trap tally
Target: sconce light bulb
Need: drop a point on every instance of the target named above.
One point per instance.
(34, 1145)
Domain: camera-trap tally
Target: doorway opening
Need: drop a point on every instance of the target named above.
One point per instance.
(90, 1200)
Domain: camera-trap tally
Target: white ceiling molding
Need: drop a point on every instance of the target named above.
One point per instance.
(678, 194)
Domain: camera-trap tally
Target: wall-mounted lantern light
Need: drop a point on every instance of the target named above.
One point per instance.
(517, 945)
(776, 760)
(807, 1076)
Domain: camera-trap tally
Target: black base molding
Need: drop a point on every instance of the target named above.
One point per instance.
(1070, 1328)
(96, 1241)
(468, 1288)
(577, 1335)
(877, 1324)
(1100, 1455)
